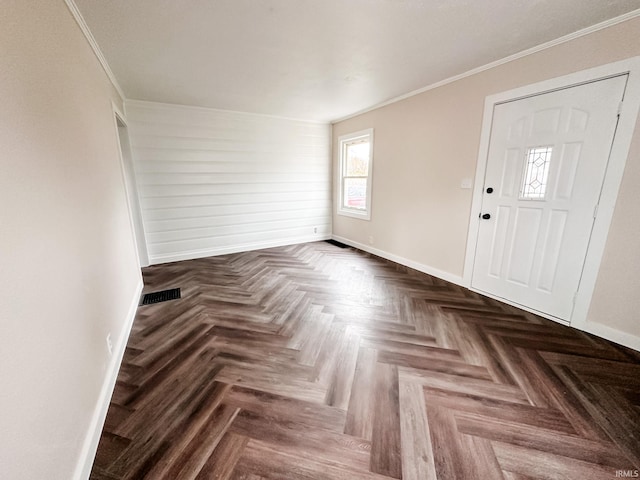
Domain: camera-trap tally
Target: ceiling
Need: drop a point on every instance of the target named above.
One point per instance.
(317, 59)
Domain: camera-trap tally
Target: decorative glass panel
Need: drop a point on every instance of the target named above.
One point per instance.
(357, 164)
(355, 193)
(536, 173)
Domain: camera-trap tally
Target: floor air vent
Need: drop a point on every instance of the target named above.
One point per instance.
(163, 296)
(337, 244)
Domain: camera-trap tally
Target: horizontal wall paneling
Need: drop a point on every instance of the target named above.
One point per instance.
(213, 182)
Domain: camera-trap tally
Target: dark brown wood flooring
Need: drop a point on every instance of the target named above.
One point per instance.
(316, 362)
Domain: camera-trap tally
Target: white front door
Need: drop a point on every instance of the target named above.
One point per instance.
(547, 159)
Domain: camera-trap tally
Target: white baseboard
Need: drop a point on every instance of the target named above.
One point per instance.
(598, 329)
(90, 446)
(449, 277)
(612, 334)
(212, 252)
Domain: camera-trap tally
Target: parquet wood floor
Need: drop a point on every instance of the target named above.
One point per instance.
(316, 362)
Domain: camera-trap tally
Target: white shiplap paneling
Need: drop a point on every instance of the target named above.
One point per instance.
(214, 182)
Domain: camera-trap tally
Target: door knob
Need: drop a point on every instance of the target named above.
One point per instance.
(486, 216)
(490, 190)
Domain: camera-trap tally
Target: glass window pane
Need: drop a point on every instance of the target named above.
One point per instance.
(355, 193)
(357, 156)
(356, 165)
(536, 173)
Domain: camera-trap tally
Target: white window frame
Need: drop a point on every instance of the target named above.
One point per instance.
(343, 142)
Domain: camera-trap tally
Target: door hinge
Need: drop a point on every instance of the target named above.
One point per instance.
(620, 108)
(595, 210)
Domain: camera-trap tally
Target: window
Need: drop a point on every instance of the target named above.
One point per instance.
(536, 173)
(356, 162)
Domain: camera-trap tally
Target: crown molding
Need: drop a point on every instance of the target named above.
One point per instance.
(73, 8)
(502, 61)
(195, 108)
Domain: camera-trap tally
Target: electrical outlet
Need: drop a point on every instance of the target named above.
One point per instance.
(370, 239)
(315, 229)
(109, 345)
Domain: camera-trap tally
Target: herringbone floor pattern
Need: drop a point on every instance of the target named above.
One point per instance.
(316, 362)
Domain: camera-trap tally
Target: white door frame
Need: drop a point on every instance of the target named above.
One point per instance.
(130, 186)
(612, 180)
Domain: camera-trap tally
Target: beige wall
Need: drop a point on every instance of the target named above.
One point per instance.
(68, 270)
(616, 300)
(425, 145)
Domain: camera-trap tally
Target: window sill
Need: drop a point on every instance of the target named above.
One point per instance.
(366, 215)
